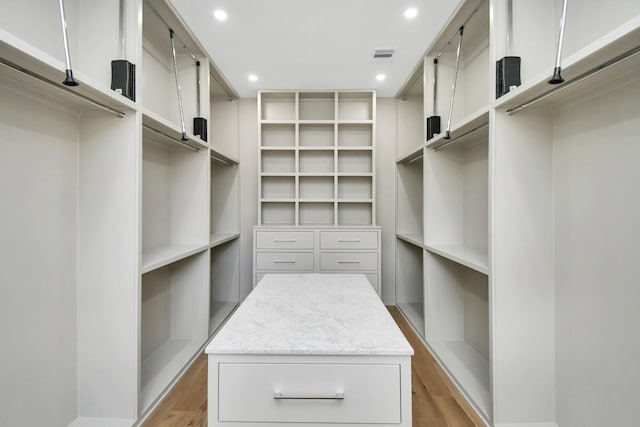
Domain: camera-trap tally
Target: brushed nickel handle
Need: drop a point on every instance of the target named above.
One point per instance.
(339, 395)
(284, 261)
(284, 240)
(340, 261)
(349, 240)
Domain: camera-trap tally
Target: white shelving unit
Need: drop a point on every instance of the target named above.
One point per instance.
(150, 213)
(497, 231)
(316, 158)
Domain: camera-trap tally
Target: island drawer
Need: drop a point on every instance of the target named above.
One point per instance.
(310, 393)
(348, 261)
(284, 261)
(284, 239)
(349, 239)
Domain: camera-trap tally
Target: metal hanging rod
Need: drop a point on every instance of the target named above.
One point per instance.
(169, 137)
(444, 49)
(458, 138)
(55, 85)
(602, 67)
(414, 159)
(222, 160)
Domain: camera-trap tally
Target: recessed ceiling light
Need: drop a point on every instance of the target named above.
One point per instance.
(411, 13)
(220, 15)
(380, 77)
(253, 78)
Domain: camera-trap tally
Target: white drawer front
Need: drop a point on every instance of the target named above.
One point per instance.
(348, 261)
(284, 239)
(284, 261)
(348, 240)
(311, 393)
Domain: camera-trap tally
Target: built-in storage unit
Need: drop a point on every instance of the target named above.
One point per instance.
(316, 158)
(498, 218)
(317, 250)
(137, 215)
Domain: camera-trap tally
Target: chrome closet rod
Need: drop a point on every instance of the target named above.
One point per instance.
(55, 85)
(602, 67)
(457, 138)
(171, 138)
(221, 160)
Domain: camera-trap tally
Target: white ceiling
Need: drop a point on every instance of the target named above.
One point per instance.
(315, 44)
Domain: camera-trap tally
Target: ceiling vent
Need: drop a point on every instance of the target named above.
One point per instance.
(383, 53)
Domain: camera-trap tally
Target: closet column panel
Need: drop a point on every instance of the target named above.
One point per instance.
(521, 262)
(108, 259)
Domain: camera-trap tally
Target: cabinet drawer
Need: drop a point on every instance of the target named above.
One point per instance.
(284, 239)
(348, 240)
(284, 261)
(310, 393)
(348, 261)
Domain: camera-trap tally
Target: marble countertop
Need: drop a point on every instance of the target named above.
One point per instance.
(311, 314)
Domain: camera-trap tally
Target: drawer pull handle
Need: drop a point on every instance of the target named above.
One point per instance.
(281, 396)
(348, 262)
(284, 240)
(349, 240)
(284, 261)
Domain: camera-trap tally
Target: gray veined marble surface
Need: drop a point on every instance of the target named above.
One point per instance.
(313, 314)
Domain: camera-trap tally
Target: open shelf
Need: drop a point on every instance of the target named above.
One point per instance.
(411, 115)
(278, 187)
(355, 188)
(222, 238)
(467, 130)
(355, 135)
(316, 106)
(224, 198)
(414, 239)
(278, 135)
(355, 161)
(224, 293)
(278, 161)
(223, 120)
(410, 198)
(355, 106)
(316, 161)
(410, 283)
(316, 135)
(457, 222)
(316, 187)
(278, 106)
(278, 213)
(173, 323)
(174, 202)
(355, 213)
(473, 259)
(316, 213)
(458, 325)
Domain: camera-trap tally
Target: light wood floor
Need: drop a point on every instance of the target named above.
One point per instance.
(436, 402)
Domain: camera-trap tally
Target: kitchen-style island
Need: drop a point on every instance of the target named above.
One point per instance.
(310, 349)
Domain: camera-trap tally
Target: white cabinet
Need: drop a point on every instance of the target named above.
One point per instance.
(144, 215)
(490, 265)
(319, 250)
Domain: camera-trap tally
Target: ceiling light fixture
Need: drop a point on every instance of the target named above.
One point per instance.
(253, 78)
(411, 13)
(220, 15)
(380, 77)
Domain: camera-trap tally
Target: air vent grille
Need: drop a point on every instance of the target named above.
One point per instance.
(383, 53)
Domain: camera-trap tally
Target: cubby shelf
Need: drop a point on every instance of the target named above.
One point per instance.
(160, 257)
(317, 168)
(414, 239)
(222, 238)
(468, 257)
